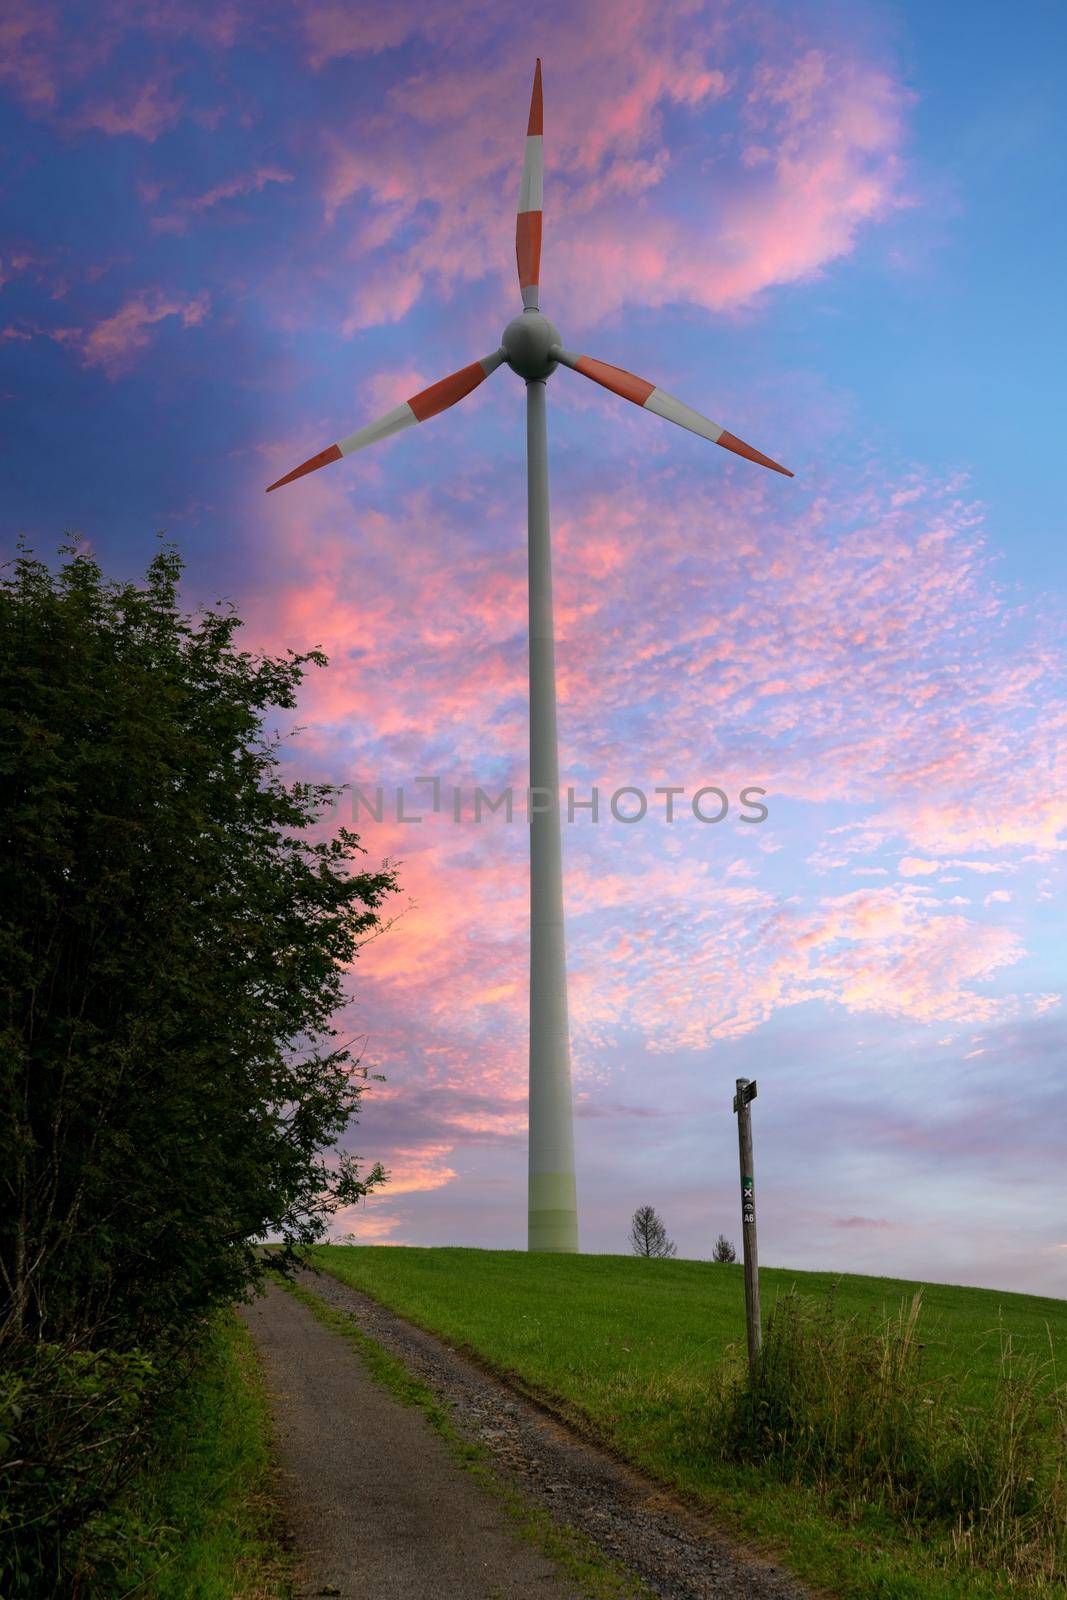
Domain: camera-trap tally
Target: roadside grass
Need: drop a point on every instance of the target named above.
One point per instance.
(649, 1355)
(197, 1523)
(572, 1552)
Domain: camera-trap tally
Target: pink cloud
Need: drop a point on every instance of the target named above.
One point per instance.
(215, 22)
(183, 212)
(17, 260)
(886, 699)
(366, 1223)
(814, 156)
(850, 664)
(334, 29)
(28, 35)
(880, 952)
(151, 110)
(863, 1222)
(417, 1171)
(115, 343)
(384, 390)
(45, 56)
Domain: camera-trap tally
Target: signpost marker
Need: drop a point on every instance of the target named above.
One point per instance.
(746, 1092)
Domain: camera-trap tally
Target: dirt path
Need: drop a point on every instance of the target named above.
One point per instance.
(675, 1552)
(376, 1504)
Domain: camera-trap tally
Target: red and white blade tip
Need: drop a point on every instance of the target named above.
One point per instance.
(427, 403)
(528, 218)
(730, 441)
(313, 464)
(536, 124)
(651, 398)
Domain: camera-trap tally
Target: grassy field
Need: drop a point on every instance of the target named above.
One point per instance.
(638, 1349)
(197, 1522)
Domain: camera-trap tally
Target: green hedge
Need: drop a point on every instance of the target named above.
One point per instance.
(122, 1476)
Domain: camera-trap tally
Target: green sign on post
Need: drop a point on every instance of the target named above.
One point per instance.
(746, 1093)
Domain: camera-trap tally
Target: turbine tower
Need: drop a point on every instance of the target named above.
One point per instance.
(532, 348)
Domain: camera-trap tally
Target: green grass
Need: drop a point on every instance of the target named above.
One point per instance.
(637, 1349)
(197, 1523)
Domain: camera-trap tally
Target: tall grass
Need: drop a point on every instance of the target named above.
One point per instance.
(847, 1404)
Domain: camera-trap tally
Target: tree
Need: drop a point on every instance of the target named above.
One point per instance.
(724, 1250)
(172, 952)
(648, 1236)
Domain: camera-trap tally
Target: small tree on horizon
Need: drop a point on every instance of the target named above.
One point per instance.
(648, 1236)
(724, 1250)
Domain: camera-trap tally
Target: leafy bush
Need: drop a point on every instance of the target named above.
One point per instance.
(72, 1425)
(173, 945)
(172, 950)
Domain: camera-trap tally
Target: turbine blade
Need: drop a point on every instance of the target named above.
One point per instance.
(528, 221)
(650, 398)
(427, 403)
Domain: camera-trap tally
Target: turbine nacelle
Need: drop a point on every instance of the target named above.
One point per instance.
(531, 345)
(527, 345)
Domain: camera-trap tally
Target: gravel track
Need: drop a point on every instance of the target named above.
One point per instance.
(376, 1506)
(676, 1551)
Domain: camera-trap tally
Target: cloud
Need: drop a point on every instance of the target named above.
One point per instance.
(839, 668)
(984, 867)
(17, 260)
(384, 390)
(150, 111)
(807, 152)
(184, 212)
(880, 952)
(367, 1223)
(863, 1222)
(28, 37)
(115, 343)
(47, 52)
(334, 30)
(416, 1171)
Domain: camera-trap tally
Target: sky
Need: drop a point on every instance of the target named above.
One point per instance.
(231, 234)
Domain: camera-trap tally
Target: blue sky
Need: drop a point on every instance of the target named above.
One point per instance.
(231, 236)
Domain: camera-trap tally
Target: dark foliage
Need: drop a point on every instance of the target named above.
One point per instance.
(73, 1426)
(172, 949)
(724, 1250)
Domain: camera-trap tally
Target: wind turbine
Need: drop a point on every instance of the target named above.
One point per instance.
(531, 347)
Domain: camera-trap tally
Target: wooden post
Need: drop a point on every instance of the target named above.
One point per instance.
(746, 1092)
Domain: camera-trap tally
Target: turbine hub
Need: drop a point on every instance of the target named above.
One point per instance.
(526, 343)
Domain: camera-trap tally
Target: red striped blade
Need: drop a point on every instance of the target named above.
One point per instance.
(427, 403)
